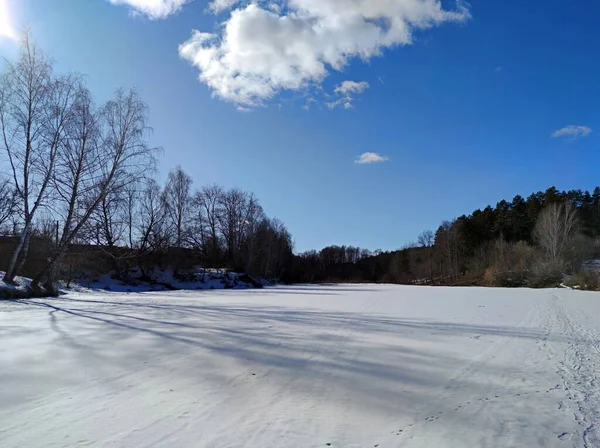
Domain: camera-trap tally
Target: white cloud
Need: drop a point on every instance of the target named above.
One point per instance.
(333, 104)
(217, 6)
(370, 157)
(347, 90)
(350, 87)
(294, 44)
(572, 131)
(6, 25)
(154, 9)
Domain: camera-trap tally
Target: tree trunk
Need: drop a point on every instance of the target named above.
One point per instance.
(15, 265)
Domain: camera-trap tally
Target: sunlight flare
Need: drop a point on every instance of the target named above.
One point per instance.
(6, 25)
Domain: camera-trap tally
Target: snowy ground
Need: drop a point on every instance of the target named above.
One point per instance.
(340, 366)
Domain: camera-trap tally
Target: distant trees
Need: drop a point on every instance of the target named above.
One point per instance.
(207, 207)
(531, 241)
(177, 204)
(425, 241)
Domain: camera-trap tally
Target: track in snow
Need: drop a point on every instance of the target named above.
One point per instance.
(341, 366)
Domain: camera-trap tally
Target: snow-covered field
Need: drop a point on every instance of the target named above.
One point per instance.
(303, 366)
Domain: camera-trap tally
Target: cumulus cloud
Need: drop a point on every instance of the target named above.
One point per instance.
(370, 157)
(350, 87)
(266, 47)
(154, 9)
(572, 132)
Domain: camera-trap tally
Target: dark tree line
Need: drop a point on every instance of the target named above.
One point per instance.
(213, 226)
(526, 241)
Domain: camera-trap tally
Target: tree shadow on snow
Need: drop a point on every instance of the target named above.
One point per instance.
(380, 359)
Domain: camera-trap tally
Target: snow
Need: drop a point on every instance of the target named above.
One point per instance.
(200, 279)
(18, 289)
(302, 366)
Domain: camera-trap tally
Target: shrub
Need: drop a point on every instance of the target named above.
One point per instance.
(505, 279)
(586, 279)
(545, 274)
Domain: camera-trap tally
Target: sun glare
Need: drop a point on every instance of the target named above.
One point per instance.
(6, 26)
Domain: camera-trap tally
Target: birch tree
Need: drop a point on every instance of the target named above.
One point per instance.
(555, 229)
(106, 154)
(35, 107)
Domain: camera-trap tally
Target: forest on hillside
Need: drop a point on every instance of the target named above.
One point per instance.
(525, 242)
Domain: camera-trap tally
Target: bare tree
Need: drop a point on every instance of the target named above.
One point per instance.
(35, 107)
(276, 245)
(8, 202)
(446, 243)
(253, 214)
(556, 227)
(426, 240)
(207, 216)
(130, 203)
(240, 213)
(231, 219)
(177, 197)
(107, 155)
(151, 225)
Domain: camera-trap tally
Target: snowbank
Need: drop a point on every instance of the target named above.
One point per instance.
(200, 279)
(19, 289)
(209, 279)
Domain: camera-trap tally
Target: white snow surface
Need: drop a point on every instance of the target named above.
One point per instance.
(302, 366)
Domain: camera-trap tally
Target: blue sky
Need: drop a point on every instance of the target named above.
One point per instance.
(459, 101)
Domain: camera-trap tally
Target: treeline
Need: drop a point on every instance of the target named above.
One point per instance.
(211, 226)
(525, 242)
(74, 172)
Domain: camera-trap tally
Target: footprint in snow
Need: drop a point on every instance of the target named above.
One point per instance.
(564, 436)
(562, 406)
